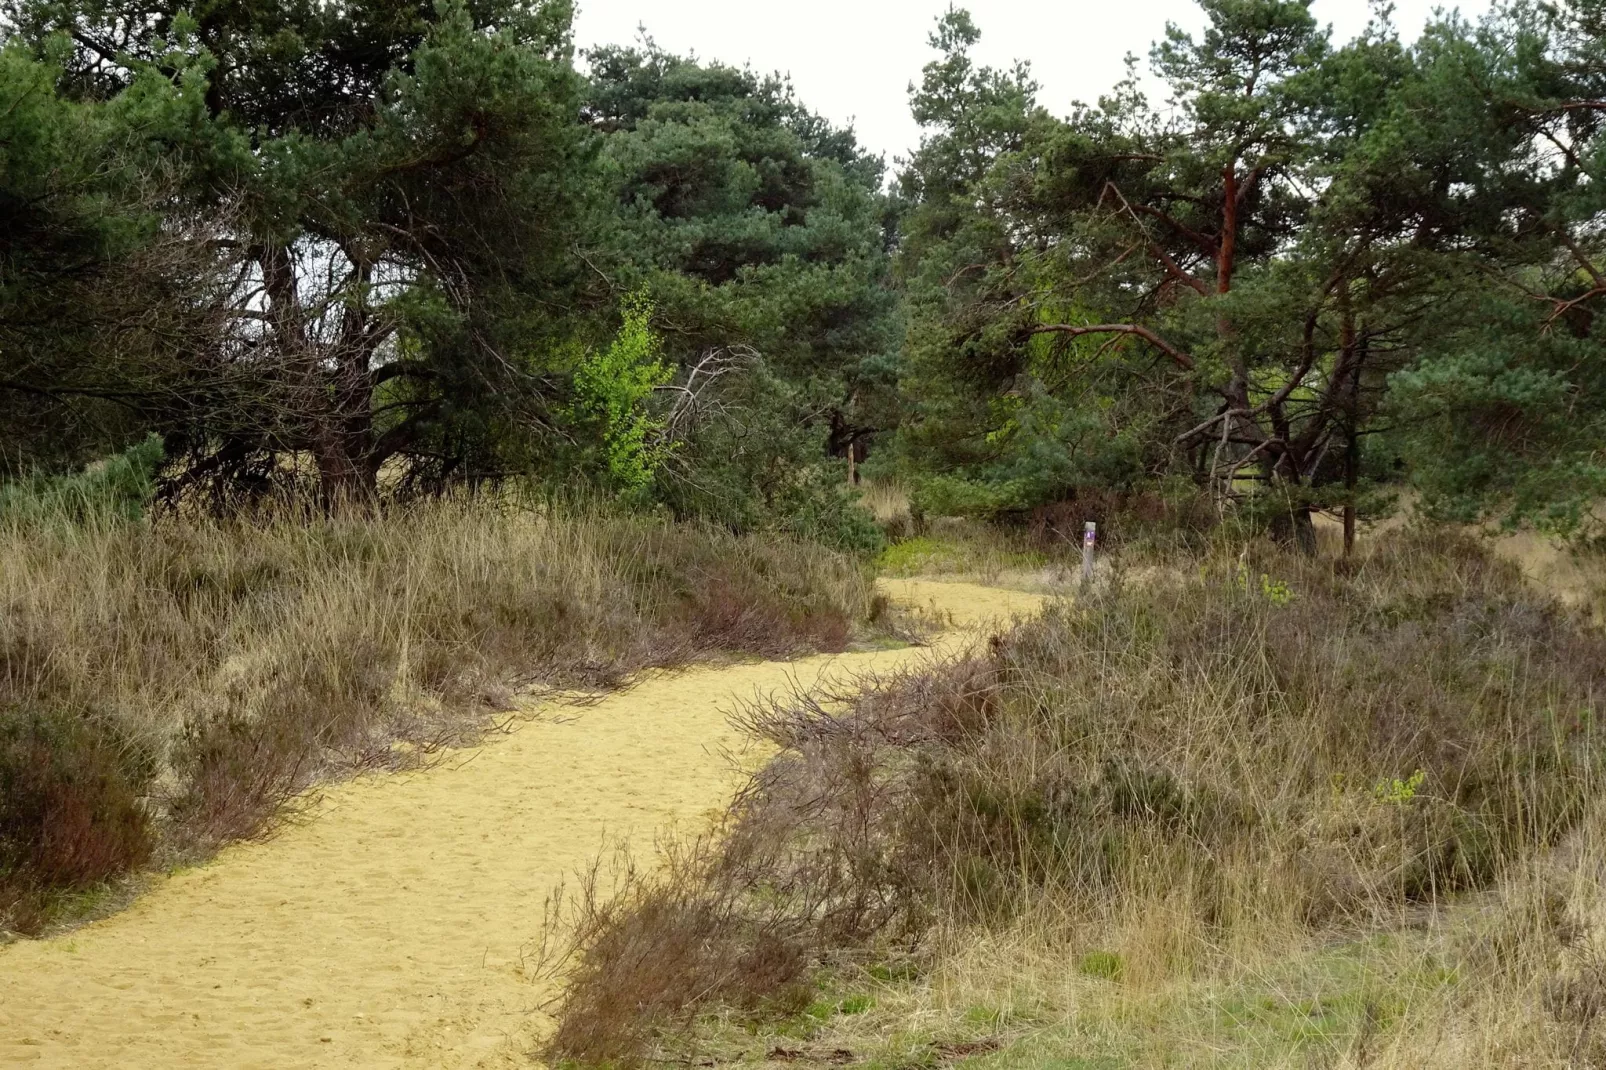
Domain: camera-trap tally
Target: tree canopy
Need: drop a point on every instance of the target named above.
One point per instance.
(1318, 265)
(393, 247)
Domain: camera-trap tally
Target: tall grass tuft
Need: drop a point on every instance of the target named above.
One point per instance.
(165, 686)
(1243, 753)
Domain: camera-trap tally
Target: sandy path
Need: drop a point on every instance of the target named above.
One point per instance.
(387, 928)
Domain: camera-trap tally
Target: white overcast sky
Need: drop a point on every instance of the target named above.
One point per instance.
(854, 59)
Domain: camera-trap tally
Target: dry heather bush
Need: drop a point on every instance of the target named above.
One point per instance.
(170, 684)
(69, 815)
(1261, 747)
(652, 949)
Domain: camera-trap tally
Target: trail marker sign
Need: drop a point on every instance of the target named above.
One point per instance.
(1089, 537)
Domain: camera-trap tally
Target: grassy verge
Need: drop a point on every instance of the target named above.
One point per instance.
(166, 686)
(1270, 811)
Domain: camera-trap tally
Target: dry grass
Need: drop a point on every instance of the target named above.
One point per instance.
(888, 502)
(1575, 575)
(166, 686)
(1279, 810)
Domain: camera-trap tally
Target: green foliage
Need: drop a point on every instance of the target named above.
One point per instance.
(612, 387)
(824, 1009)
(758, 230)
(1037, 444)
(1330, 265)
(1398, 792)
(752, 464)
(360, 221)
(1502, 412)
(1277, 592)
(116, 489)
(751, 220)
(821, 508)
(80, 284)
(377, 238)
(306, 241)
(1102, 964)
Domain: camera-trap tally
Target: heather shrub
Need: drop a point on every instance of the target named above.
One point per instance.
(70, 812)
(1252, 744)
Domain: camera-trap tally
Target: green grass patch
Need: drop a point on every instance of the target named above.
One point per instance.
(1316, 1009)
(1102, 964)
(924, 555)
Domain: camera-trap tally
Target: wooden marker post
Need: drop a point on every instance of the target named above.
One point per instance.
(1089, 537)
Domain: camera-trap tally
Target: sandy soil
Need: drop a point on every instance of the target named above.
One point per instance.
(1574, 580)
(391, 925)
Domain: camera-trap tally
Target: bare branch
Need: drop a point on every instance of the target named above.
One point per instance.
(1178, 357)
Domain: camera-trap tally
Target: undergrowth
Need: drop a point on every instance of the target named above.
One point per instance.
(1043, 545)
(1174, 786)
(167, 684)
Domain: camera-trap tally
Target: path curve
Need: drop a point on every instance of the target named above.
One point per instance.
(388, 927)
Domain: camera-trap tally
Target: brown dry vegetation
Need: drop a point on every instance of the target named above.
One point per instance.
(1271, 810)
(165, 686)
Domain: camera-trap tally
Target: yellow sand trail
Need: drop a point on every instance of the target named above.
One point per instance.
(390, 925)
